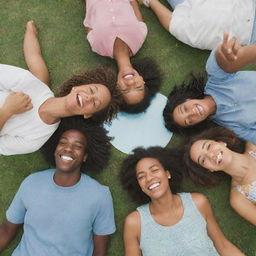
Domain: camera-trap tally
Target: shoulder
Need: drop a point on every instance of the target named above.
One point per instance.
(94, 183)
(132, 221)
(10, 68)
(201, 202)
(38, 175)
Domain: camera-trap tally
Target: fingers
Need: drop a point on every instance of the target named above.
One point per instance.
(230, 48)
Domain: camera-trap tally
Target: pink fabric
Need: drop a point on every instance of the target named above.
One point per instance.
(110, 19)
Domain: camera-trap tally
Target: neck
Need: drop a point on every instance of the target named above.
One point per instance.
(211, 104)
(164, 204)
(53, 109)
(239, 166)
(66, 179)
(122, 54)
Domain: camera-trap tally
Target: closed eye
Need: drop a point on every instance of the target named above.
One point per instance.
(209, 146)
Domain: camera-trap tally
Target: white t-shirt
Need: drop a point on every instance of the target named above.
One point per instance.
(25, 132)
(201, 23)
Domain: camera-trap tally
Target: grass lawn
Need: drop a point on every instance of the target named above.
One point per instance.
(66, 51)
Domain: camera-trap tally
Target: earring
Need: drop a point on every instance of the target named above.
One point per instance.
(169, 177)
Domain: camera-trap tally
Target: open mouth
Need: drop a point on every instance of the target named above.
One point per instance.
(128, 76)
(219, 157)
(199, 110)
(66, 158)
(154, 186)
(79, 100)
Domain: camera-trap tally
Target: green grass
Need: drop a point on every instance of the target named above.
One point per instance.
(66, 51)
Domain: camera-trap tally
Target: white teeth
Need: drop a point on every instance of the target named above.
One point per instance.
(80, 100)
(219, 158)
(68, 158)
(155, 185)
(128, 76)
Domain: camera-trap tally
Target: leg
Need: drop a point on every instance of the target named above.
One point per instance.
(32, 53)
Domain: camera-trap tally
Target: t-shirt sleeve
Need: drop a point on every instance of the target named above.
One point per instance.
(17, 210)
(215, 72)
(11, 78)
(247, 134)
(12, 145)
(104, 223)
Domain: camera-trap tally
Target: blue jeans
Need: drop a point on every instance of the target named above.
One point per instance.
(174, 3)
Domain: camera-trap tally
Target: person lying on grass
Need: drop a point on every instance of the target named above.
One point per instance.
(201, 23)
(116, 30)
(170, 223)
(29, 111)
(218, 150)
(63, 210)
(228, 97)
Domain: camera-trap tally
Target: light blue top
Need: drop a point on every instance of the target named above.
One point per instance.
(59, 220)
(235, 97)
(187, 237)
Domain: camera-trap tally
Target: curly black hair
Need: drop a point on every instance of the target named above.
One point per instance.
(152, 76)
(129, 181)
(194, 89)
(97, 148)
(196, 172)
(104, 75)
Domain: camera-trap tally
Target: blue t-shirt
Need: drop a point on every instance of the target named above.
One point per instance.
(235, 97)
(59, 220)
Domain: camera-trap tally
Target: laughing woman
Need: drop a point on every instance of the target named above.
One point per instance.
(29, 112)
(170, 223)
(116, 30)
(218, 149)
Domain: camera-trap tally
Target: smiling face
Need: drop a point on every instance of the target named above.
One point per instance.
(191, 112)
(131, 85)
(70, 152)
(211, 154)
(88, 99)
(152, 177)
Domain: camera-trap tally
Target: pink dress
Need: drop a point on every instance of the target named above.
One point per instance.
(110, 19)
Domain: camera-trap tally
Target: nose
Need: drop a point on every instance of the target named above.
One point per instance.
(149, 178)
(130, 81)
(67, 148)
(88, 97)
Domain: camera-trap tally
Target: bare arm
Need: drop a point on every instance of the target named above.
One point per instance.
(100, 245)
(8, 231)
(136, 9)
(132, 234)
(231, 56)
(222, 245)
(243, 206)
(15, 103)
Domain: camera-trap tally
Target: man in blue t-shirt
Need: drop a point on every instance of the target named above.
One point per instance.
(63, 210)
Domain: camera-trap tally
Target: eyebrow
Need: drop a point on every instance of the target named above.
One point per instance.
(150, 167)
(198, 160)
(76, 141)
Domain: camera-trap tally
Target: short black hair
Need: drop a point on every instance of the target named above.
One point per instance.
(151, 74)
(196, 172)
(128, 177)
(194, 89)
(97, 148)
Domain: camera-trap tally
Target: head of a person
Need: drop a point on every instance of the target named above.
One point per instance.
(186, 110)
(78, 144)
(92, 94)
(138, 85)
(209, 152)
(147, 174)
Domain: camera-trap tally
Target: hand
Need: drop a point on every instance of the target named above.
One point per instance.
(229, 48)
(16, 103)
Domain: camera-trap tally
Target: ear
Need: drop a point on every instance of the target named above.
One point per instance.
(169, 176)
(85, 157)
(87, 116)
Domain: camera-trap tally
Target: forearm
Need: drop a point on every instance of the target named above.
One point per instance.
(5, 237)
(136, 10)
(227, 249)
(246, 55)
(4, 116)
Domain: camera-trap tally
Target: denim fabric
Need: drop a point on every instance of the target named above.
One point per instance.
(174, 3)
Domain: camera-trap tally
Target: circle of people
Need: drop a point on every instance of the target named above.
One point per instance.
(65, 212)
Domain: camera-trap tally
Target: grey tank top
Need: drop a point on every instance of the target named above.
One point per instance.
(188, 237)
